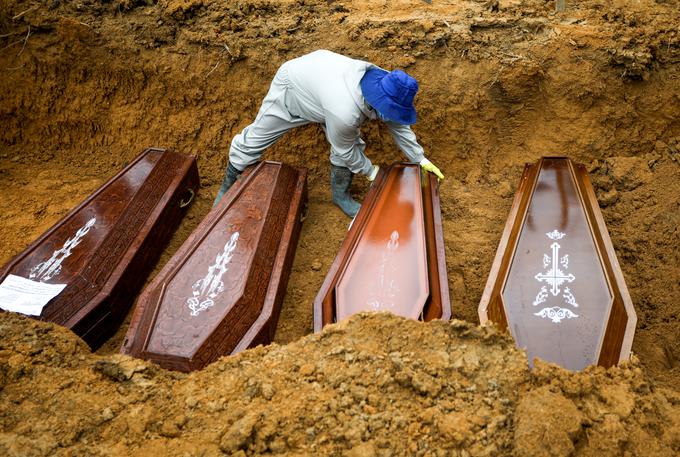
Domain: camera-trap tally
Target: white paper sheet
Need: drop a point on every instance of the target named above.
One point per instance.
(24, 296)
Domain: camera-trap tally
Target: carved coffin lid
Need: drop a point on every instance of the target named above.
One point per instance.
(94, 248)
(222, 290)
(393, 256)
(556, 283)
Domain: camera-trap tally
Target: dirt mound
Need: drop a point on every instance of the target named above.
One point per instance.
(87, 85)
(373, 385)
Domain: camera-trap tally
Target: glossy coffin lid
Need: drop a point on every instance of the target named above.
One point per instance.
(556, 282)
(104, 248)
(392, 258)
(222, 291)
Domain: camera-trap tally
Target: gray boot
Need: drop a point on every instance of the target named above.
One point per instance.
(341, 179)
(231, 174)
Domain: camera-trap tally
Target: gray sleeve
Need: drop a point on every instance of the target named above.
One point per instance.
(406, 140)
(347, 148)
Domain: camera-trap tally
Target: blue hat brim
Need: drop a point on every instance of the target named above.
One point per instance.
(376, 97)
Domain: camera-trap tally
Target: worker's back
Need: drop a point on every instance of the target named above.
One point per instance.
(326, 84)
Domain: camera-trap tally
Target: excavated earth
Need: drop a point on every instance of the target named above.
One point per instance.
(86, 85)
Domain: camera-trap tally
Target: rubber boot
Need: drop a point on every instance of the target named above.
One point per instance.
(341, 179)
(231, 174)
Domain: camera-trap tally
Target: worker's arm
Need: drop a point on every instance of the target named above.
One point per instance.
(406, 140)
(347, 147)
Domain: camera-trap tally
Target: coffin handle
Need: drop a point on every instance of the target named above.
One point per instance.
(183, 203)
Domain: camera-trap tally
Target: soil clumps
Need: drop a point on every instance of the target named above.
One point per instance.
(374, 385)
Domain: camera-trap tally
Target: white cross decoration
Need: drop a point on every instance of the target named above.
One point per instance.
(555, 277)
(46, 270)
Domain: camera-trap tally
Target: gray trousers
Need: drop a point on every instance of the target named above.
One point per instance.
(272, 121)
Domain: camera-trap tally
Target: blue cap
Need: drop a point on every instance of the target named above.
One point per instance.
(391, 94)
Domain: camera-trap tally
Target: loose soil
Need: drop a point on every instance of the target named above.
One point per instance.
(87, 85)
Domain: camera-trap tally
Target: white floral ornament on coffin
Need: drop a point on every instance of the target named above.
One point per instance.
(555, 278)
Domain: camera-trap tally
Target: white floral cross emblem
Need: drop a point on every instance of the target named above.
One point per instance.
(555, 277)
(46, 270)
(206, 289)
(387, 287)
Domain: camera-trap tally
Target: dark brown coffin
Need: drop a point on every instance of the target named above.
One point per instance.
(104, 248)
(392, 258)
(222, 291)
(556, 284)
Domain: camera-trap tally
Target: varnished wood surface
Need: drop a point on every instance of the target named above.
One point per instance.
(121, 230)
(392, 258)
(223, 289)
(438, 305)
(555, 283)
(387, 268)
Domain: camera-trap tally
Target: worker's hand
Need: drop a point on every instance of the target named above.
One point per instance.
(374, 172)
(429, 166)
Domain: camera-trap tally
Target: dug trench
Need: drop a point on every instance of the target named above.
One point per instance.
(87, 85)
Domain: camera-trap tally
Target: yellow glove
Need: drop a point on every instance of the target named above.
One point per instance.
(429, 166)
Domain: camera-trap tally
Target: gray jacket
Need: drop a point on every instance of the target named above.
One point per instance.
(324, 88)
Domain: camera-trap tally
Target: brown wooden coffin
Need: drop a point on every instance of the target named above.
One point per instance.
(104, 248)
(555, 282)
(392, 258)
(222, 291)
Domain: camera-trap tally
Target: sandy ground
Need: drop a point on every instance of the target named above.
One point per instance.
(87, 85)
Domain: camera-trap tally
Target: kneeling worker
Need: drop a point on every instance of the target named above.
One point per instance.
(340, 94)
